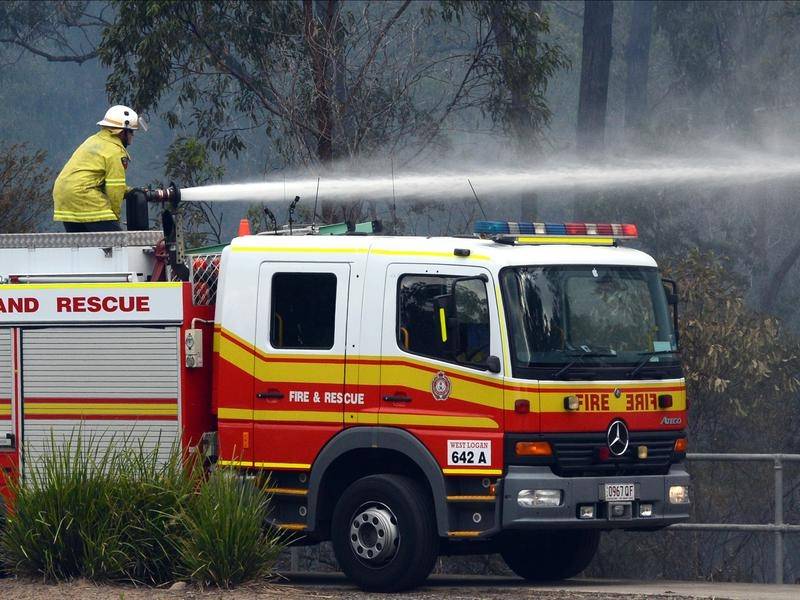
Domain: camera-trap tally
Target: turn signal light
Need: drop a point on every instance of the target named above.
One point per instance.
(665, 401)
(522, 407)
(571, 403)
(681, 444)
(534, 449)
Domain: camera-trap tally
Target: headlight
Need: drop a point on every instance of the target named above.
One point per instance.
(539, 498)
(679, 494)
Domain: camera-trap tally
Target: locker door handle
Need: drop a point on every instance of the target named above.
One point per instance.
(270, 395)
(396, 398)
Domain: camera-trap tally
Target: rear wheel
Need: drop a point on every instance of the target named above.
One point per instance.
(384, 533)
(549, 555)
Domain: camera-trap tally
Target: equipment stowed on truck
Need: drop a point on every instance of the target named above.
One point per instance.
(515, 392)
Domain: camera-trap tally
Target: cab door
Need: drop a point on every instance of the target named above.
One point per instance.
(301, 327)
(444, 390)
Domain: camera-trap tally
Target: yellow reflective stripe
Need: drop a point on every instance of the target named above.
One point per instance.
(319, 416)
(472, 471)
(310, 250)
(277, 465)
(90, 214)
(409, 253)
(436, 421)
(115, 180)
(296, 416)
(443, 324)
(110, 408)
(265, 465)
(569, 240)
(424, 253)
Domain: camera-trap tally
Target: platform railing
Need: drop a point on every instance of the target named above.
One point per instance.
(777, 527)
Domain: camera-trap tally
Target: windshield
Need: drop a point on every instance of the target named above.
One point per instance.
(590, 315)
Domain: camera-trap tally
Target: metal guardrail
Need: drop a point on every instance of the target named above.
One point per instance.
(777, 527)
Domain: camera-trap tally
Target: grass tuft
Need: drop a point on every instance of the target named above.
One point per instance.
(120, 512)
(226, 542)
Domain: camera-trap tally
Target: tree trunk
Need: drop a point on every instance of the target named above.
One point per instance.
(637, 60)
(319, 23)
(595, 63)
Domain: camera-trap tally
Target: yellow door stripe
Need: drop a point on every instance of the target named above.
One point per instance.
(319, 416)
(436, 421)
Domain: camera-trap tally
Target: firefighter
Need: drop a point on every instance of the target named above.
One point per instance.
(88, 192)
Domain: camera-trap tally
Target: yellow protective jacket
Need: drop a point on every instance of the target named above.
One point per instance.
(91, 185)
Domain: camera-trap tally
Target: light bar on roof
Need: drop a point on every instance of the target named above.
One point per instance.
(566, 233)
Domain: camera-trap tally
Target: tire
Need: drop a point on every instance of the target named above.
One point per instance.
(384, 533)
(549, 555)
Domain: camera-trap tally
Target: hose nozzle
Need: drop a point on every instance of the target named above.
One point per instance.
(171, 194)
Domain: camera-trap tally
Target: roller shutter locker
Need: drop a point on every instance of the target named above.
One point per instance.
(105, 384)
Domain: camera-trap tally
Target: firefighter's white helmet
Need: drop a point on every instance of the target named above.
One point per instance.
(122, 117)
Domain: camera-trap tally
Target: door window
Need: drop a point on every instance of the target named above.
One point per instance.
(303, 313)
(444, 317)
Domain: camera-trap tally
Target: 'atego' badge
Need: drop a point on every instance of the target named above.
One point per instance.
(441, 386)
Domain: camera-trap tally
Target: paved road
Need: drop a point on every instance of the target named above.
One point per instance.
(461, 587)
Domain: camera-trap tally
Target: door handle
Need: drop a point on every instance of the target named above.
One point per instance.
(396, 398)
(270, 395)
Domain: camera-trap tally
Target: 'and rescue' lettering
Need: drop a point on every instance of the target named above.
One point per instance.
(108, 304)
(19, 305)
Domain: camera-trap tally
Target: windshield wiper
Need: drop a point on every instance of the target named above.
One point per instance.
(647, 356)
(578, 355)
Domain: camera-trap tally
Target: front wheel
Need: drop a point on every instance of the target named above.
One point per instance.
(384, 533)
(549, 555)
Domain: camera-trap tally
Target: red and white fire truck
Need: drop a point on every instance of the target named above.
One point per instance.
(516, 392)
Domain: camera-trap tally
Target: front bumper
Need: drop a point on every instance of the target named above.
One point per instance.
(650, 489)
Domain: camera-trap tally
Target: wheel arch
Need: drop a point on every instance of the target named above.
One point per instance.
(362, 451)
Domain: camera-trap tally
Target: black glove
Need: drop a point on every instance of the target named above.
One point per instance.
(134, 193)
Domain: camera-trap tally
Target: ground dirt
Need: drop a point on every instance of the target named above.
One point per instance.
(311, 587)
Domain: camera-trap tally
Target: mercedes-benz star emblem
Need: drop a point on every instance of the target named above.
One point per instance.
(617, 438)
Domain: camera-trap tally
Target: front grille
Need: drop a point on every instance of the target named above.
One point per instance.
(579, 454)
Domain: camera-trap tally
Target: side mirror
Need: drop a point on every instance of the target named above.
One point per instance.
(493, 364)
(671, 292)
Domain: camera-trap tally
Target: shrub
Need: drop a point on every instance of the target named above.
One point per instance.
(225, 541)
(105, 514)
(119, 512)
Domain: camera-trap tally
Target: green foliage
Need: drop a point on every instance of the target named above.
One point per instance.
(25, 185)
(226, 542)
(737, 361)
(515, 65)
(117, 512)
(188, 162)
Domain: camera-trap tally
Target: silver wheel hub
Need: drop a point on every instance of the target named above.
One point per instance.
(374, 535)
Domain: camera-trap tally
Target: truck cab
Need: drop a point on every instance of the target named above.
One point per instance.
(516, 392)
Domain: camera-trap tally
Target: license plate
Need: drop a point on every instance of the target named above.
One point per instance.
(614, 492)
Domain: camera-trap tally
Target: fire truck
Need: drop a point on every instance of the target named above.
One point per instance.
(516, 391)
